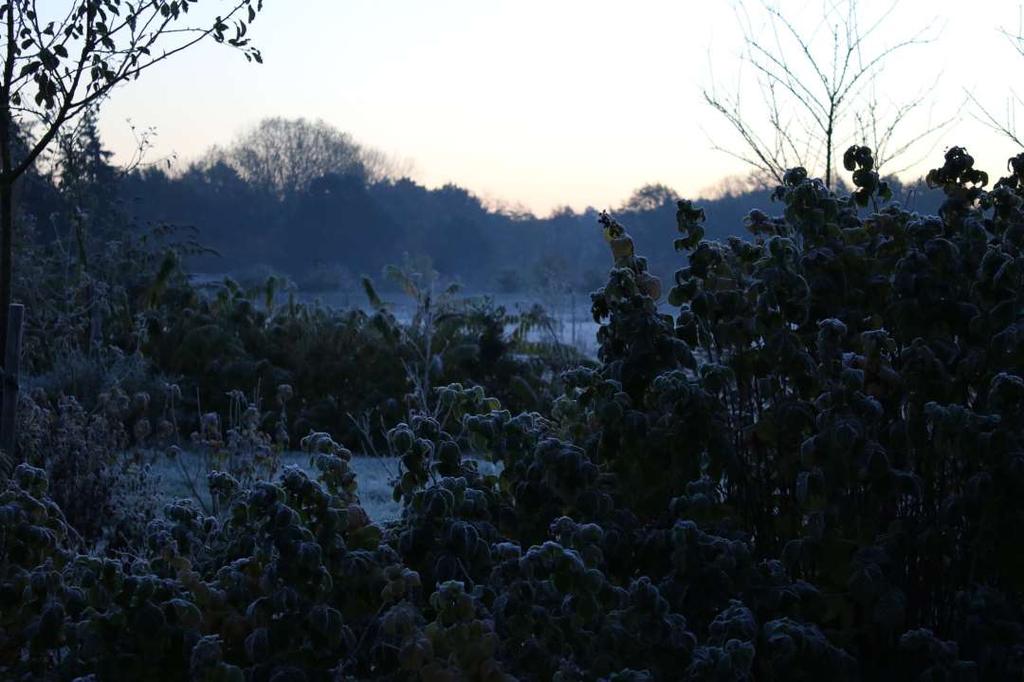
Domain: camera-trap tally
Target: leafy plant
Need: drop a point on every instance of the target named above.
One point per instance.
(809, 470)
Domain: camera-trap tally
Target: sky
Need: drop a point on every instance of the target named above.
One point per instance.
(539, 104)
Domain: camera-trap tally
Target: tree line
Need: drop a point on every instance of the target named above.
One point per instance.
(305, 200)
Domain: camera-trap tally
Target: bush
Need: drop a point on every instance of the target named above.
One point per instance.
(90, 375)
(95, 471)
(810, 471)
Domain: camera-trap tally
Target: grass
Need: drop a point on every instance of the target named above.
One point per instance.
(372, 474)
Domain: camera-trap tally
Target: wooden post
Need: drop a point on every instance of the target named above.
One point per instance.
(12, 362)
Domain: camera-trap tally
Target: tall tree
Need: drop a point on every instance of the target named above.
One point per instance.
(87, 177)
(811, 81)
(283, 156)
(59, 62)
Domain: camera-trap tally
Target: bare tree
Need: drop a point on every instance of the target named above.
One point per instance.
(60, 61)
(1006, 125)
(809, 82)
(879, 126)
(283, 156)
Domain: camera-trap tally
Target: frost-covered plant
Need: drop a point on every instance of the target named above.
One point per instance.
(97, 473)
(809, 471)
(239, 448)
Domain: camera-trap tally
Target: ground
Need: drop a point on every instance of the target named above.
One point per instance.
(373, 474)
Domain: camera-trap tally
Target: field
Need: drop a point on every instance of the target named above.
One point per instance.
(373, 476)
(572, 323)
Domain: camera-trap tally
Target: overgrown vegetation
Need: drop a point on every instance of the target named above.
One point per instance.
(812, 469)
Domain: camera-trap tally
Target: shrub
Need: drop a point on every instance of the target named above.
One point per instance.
(88, 375)
(96, 473)
(810, 471)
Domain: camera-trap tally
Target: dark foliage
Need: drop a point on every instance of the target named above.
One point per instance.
(812, 471)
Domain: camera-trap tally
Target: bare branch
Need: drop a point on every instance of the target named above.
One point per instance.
(1004, 127)
(1007, 126)
(43, 83)
(808, 100)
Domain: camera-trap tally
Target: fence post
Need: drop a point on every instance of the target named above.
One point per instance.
(12, 362)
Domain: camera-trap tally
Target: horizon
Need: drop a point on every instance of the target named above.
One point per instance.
(603, 102)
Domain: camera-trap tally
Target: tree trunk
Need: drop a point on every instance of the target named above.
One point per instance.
(828, 159)
(12, 360)
(6, 181)
(6, 254)
(828, 143)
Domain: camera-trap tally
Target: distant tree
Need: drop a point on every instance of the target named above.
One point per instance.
(812, 82)
(57, 64)
(284, 156)
(334, 218)
(650, 197)
(734, 186)
(213, 199)
(87, 178)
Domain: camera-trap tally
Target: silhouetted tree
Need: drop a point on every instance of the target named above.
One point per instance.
(650, 197)
(338, 221)
(341, 222)
(57, 65)
(810, 87)
(88, 180)
(284, 156)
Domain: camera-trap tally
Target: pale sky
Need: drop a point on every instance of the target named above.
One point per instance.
(542, 103)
